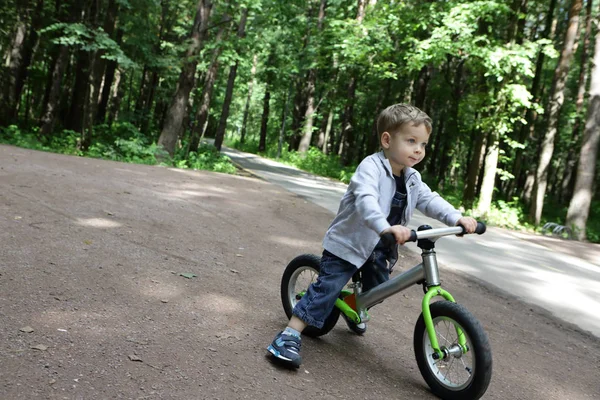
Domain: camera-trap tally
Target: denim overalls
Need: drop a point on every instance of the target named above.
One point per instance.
(316, 305)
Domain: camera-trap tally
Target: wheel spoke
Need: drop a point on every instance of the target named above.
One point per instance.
(448, 371)
(448, 326)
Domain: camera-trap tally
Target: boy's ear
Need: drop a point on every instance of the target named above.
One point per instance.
(385, 140)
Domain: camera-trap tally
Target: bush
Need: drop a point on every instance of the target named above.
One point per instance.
(120, 142)
(314, 161)
(508, 215)
(207, 158)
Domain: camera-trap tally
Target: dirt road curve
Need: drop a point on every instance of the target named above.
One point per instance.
(90, 257)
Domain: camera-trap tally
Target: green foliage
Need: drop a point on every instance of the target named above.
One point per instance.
(313, 161)
(88, 39)
(593, 224)
(207, 158)
(316, 162)
(508, 214)
(123, 142)
(64, 142)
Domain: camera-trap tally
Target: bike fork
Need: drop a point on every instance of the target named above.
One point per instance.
(434, 291)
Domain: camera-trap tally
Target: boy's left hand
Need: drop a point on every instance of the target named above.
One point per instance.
(469, 223)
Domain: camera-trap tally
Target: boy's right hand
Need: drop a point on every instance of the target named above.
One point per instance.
(401, 233)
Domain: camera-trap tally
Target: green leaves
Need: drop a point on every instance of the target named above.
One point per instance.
(88, 39)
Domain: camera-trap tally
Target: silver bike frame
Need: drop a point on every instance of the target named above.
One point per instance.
(426, 271)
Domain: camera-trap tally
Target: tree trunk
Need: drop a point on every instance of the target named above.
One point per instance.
(567, 181)
(100, 64)
(248, 98)
(173, 123)
(109, 76)
(220, 135)
(117, 94)
(74, 118)
(421, 89)
(527, 130)
(514, 33)
(326, 139)
(298, 112)
(347, 134)
(49, 116)
(29, 48)
(579, 206)
(474, 168)
(489, 176)
(264, 123)
(556, 101)
(308, 114)
(203, 108)
(284, 119)
(8, 111)
(310, 94)
(90, 98)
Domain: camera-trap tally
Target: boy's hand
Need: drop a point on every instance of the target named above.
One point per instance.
(470, 224)
(401, 233)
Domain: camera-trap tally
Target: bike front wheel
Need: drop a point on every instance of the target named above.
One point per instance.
(297, 277)
(458, 375)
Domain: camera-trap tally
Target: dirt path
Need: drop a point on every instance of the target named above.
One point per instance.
(90, 257)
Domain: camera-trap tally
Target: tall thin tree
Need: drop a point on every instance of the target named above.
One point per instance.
(579, 207)
(220, 135)
(174, 120)
(555, 104)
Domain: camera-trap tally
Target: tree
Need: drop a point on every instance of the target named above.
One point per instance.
(172, 128)
(202, 112)
(570, 166)
(556, 102)
(220, 135)
(310, 93)
(579, 207)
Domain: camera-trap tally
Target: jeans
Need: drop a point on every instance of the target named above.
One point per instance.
(318, 302)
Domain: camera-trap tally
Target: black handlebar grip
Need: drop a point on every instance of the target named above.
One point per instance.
(480, 230)
(413, 236)
(388, 239)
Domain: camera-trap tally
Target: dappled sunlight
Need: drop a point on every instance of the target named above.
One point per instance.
(97, 223)
(202, 187)
(577, 263)
(293, 242)
(188, 194)
(504, 247)
(544, 280)
(161, 291)
(219, 304)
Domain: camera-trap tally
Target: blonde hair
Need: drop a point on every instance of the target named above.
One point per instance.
(392, 118)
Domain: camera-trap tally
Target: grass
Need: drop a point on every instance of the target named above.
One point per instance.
(120, 142)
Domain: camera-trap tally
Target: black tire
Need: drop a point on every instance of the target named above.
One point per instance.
(301, 263)
(477, 377)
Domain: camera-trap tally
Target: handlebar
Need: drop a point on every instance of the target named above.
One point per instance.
(388, 239)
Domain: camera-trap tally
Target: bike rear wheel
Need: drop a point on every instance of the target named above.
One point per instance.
(458, 375)
(297, 277)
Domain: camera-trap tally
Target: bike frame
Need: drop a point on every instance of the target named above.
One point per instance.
(427, 272)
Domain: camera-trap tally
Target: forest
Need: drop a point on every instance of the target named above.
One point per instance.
(513, 88)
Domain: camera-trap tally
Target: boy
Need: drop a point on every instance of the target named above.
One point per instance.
(381, 198)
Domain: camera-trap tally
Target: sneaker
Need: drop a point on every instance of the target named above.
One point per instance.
(359, 329)
(286, 347)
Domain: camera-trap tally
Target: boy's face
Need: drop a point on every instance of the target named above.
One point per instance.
(406, 147)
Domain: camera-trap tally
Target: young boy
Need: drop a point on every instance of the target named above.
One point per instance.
(381, 198)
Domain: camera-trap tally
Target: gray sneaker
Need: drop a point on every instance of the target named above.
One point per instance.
(286, 347)
(359, 329)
